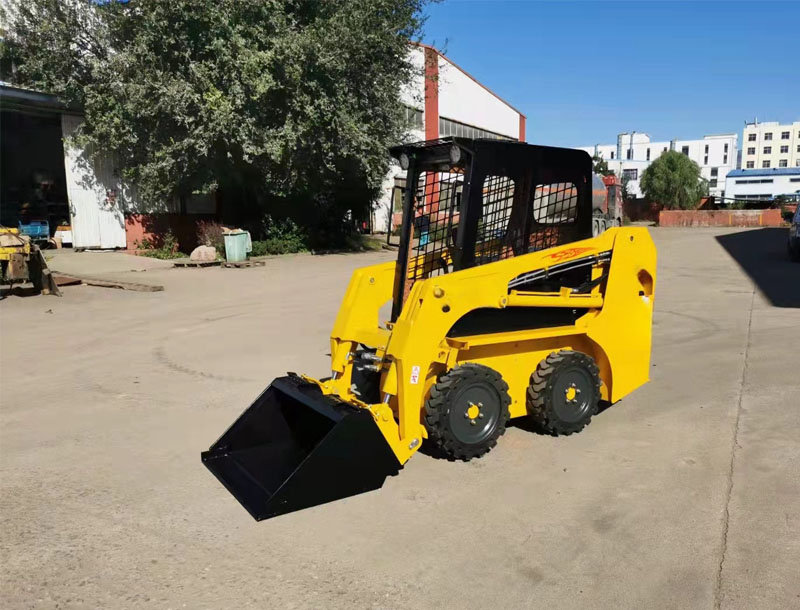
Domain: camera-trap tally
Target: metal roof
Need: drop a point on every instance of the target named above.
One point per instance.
(775, 171)
(18, 98)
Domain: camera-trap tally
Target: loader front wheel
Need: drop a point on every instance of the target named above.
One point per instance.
(467, 411)
(564, 392)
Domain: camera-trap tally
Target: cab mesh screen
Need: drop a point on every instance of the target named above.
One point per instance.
(436, 215)
(496, 239)
(554, 215)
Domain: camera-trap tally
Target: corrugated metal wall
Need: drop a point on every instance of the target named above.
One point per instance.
(96, 196)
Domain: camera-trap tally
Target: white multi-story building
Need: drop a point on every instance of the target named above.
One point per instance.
(770, 145)
(763, 184)
(633, 153)
(444, 100)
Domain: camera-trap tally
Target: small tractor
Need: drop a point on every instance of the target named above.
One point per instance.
(22, 261)
(505, 307)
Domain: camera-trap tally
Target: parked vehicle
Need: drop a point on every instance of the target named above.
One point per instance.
(606, 203)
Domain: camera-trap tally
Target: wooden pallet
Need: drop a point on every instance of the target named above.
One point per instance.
(196, 263)
(242, 264)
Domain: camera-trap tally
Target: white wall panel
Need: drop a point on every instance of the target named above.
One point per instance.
(463, 99)
(94, 193)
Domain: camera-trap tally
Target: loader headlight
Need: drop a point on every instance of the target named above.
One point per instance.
(404, 161)
(455, 154)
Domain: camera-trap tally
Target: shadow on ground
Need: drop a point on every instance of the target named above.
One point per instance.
(761, 253)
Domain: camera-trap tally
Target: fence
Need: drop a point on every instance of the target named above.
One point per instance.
(720, 218)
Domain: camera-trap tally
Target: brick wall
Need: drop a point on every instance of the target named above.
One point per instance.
(155, 226)
(720, 218)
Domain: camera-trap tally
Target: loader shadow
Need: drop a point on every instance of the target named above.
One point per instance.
(522, 423)
(19, 291)
(529, 425)
(761, 253)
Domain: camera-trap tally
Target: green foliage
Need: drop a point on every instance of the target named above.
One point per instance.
(281, 237)
(674, 181)
(600, 166)
(626, 192)
(281, 106)
(164, 248)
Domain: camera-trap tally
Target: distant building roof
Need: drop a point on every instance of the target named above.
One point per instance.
(775, 171)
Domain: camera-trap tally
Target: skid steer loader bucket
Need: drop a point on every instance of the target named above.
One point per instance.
(295, 447)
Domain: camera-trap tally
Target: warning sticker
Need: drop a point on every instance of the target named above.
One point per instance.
(414, 375)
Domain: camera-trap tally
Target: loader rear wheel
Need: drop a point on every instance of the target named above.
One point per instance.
(467, 411)
(564, 392)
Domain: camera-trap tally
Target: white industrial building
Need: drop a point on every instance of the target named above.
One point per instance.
(770, 145)
(633, 153)
(763, 184)
(444, 100)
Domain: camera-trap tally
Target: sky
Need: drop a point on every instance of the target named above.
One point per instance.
(584, 71)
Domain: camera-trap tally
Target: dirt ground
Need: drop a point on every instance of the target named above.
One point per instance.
(684, 495)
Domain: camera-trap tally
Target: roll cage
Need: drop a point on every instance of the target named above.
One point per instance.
(472, 202)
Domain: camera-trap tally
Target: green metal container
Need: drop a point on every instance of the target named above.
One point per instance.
(236, 246)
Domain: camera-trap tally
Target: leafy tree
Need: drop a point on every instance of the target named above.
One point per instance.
(282, 106)
(600, 166)
(674, 181)
(626, 191)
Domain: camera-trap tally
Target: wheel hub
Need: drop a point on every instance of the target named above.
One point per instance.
(473, 412)
(571, 393)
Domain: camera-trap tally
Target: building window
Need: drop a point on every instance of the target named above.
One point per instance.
(413, 118)
(784, 149)
(798, 147)
(726, 148)
(648, 153)
(784, 135)
(783, 163)
(751, 164)
(751, 137)
(629, 154)
(768, 135)
(705, 160)
(797, 163)
(768, 150)
(712, 183)
(630, 174)
(724, 159)
(449, 127)
(612, 154)
(714, 172)
(685, 150)
(765, 164)
(665, 149)
(751, 150)
(706, 148)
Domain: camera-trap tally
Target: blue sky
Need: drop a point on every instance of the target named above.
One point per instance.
(584, 71)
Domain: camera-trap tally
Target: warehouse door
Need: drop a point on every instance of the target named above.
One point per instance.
(94, 195)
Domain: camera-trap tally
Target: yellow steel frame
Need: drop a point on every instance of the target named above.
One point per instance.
(24, 247)
(616, 330)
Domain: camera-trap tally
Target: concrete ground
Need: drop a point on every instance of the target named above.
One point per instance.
(684, 495)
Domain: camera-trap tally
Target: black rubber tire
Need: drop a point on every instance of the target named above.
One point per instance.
(447, 405)
(545, 405)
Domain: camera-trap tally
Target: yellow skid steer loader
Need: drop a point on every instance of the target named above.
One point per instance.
(503, 305)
